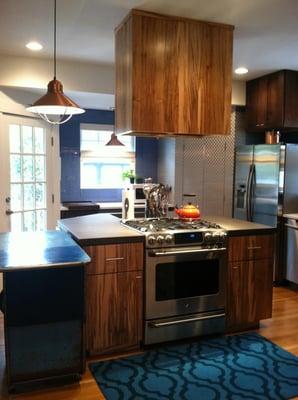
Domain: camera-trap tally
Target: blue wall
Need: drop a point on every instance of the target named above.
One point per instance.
(146, 158)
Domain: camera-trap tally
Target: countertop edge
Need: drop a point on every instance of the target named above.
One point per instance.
(12, 268)
(251, 232)
(109, 240)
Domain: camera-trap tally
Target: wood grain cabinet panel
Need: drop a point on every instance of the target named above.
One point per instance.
(271, 102)
(114, 312)
(250, 247)
(173, 75)
(249, 280)
(250, 292)
(115, 258)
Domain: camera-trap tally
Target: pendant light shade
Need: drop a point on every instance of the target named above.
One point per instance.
(54, 107)
(114, 141)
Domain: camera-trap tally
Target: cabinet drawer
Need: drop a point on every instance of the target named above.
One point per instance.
(250, 247)
(114, 258)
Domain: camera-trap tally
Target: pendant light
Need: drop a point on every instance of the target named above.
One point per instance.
(54, 107)
(114, 141)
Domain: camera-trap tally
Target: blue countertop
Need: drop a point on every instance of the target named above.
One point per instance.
(28, 250)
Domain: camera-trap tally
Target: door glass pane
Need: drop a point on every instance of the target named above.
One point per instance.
(14, 139)
(27, 137)
(16, 197)
(40, 195)
(28, 169)
(29, 196)
(40, 168)
(39, 140)
(40, 220)
(29, 221)
(15, 168)
(16, 222)
(27, 146)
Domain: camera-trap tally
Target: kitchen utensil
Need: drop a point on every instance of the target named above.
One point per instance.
(128, 204)
(157, 196)
(272, 137)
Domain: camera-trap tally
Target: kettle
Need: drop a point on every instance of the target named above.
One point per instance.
(189, 211)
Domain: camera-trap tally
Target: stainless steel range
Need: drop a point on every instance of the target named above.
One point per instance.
(185, 278)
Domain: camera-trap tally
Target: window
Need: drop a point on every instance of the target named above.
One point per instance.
(27, 178)
(102, 166)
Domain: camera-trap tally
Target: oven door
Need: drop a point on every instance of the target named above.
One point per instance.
(184, 281)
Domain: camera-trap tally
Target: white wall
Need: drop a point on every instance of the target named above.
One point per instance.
(25, 72)
(238, 93)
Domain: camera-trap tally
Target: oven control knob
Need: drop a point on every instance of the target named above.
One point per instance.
(207, 237)
(151, 240)
(215, 236)
(169, 239)
(222, 235)
(160, 239)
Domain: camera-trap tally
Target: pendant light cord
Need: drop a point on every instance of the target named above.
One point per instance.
(55, 17)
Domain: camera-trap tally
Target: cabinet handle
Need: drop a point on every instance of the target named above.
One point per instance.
(236, 267)
(139, 277)
(115, 259)
(254, 248)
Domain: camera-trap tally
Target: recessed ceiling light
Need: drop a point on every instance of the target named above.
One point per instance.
(241, 70)
(35, 46)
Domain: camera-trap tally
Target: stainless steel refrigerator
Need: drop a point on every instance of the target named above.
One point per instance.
(266, 182)
(266, 187)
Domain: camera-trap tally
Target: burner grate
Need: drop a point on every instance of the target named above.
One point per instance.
(164, 224)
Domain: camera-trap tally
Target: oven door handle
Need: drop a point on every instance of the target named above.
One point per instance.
(184, 320)
(188, 251)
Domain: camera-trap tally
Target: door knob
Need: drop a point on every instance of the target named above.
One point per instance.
(7, 200)
(8, 212)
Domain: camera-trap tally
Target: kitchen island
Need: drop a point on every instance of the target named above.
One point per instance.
(115, 288)
(43, 304)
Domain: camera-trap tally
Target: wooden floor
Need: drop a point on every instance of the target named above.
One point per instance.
(282, 329)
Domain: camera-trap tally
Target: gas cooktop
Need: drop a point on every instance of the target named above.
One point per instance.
(151, 225)
(173, 232)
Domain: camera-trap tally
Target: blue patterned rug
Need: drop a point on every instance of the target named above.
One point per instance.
(240, 367)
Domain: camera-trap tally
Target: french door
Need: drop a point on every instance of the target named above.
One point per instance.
(29, 177)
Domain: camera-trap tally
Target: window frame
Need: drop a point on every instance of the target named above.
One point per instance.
(85, 155)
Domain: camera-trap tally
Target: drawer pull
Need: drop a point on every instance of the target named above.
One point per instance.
(139, 277)
(236, 267)
(254, 248)
(115, 259)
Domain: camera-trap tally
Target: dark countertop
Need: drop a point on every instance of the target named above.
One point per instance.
(105, 228)
(30, 250)
(237, 227)
(99, 229)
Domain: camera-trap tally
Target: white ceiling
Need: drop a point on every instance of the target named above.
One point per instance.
(266, 31)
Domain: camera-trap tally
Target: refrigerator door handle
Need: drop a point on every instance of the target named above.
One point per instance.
(252, 191)
(248, 199)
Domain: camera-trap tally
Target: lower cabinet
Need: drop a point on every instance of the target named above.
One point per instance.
(114, 304)
(250, 281)
(250, 292)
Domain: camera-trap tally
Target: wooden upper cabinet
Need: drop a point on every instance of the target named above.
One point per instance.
(173, 76)
(271, 102)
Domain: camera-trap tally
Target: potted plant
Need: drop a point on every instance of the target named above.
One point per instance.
(130, 174)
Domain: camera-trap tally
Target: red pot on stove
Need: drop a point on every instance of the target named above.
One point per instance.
(188, 211)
